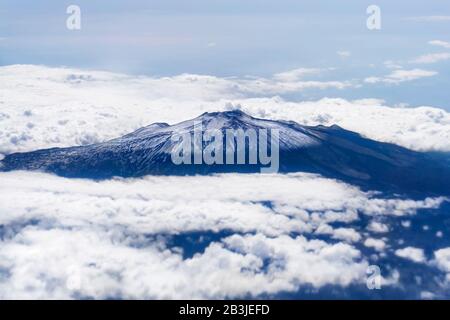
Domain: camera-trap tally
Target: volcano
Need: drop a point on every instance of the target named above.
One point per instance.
(329, 151)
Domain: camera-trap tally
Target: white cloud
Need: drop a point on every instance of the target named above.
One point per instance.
(422, 128)
(406, 224)
(392, 64)
(114, 235)
(105, 228)
(346, 234)
(378, 227)
(426, 295)
(411, 253)
(377, 244)
(349, 235)
(442, 262)
(287, 82)
(399, 76)
(164, 204)
(428, 18)
(107, 267)
(431, 58)
(442, 259)
(440, 43)
(44, 107)
(344, 54)
(296, 74)
(61, 105)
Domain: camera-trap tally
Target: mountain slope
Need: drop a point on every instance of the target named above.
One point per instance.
(329, 151)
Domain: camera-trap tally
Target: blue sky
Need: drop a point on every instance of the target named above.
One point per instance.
(238, 38)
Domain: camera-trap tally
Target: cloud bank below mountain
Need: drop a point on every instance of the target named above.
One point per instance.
(68, 238)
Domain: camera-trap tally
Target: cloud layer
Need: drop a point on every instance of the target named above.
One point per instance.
(44, 107)
(65, 238)
(218, 236)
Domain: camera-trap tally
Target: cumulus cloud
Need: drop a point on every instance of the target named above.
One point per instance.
(378, 227)
(442, 259)
(411, 253)
(377, 244)
(406, 223)
(67, 238)
(53, 107)
(153, 202)
(100, 266)
(442, 262)
(347, 234)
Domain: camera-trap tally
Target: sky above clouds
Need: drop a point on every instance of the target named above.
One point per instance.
(407, 61)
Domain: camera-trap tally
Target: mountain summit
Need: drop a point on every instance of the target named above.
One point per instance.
(330, 151)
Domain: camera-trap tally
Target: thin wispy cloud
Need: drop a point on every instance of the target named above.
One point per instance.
(440, 43)
(428, 18)
(344, 54)
(297, 74)
(399, 76)
(431, 58)
(392, 64)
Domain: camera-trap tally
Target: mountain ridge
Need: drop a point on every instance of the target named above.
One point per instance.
(330, 151)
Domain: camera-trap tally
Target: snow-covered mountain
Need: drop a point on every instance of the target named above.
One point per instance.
(329, 151)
